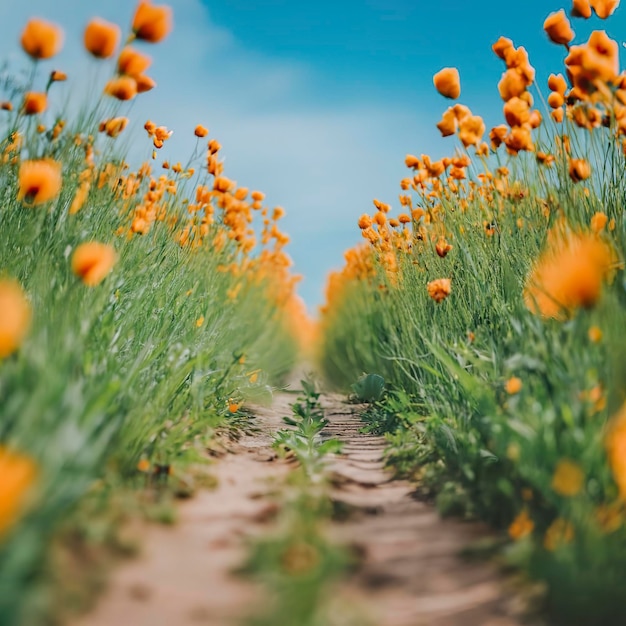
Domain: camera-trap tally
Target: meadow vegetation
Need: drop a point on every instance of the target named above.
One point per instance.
(494, 307)
(140, 305)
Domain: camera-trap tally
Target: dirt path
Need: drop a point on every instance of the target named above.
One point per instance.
(184, 575)
(411, 573)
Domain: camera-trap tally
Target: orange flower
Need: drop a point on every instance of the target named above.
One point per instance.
(497, 135)
(513, 385)
(598, 221)
(555, 100)
(471, 130)
(18, 475)
(598, 59)
(15, 316)
(233, 407)
(122, 88)
(152, 23)
(447, 82)
(442, 248)
(516, 112)
(144, 83)
(132, 62)
(447, 125)
(439, 289)
(569, 274)
(579, 169)
(114, 126)
(558, 28)
(92, 261)
(6, 105)
(604, 8)
(56, 76)
(616, 449)
(557, 83)
(143, 466)
(581, 8)
(200, 131)
(558, 534)
(594, 334)
(39, 181)
(34, 102)
(568, 478)
(41, 39)
(521, 526)
(101, 38)
(512, 84)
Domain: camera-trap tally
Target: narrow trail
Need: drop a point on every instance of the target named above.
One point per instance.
(411, 573)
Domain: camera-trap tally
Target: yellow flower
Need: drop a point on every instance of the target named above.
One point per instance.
(568, 478)
(200, 321)
(18, 475)
(521, 526)
(143, 465)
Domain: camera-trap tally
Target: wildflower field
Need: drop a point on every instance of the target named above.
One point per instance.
(143, 304)
(493, 305)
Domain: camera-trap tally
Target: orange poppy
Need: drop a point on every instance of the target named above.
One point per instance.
(34, 102)
(18, 475)
(439, 289)
(152, 23)
(604, 8)
(92, 261)
(447, 82)
(512, 84)
(132, 62)
(471, 130)
(579, 169)
(15, 315)
(557, 83)
(122, 88)
(516, 112)
(101, 38)
(447, 125)
(581, 8)
(569, 274)
(41, 39)
(57, 76)
(39, 181)
(558, 28)
(200, 131)
(144, 83)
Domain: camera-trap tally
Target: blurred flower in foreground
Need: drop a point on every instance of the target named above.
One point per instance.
(18, 474)
(41, 39)
(616, 450)
(39, 181)
(15, 317)
(152, 23)
(439, 289)
(101, 38)
(447, 82)
(92, 261)
(569, 274)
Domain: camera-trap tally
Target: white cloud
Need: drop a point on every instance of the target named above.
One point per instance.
(324, 163)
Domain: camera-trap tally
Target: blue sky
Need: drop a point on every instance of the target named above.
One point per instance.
(315, 103)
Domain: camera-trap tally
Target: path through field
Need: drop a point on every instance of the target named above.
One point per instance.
(410, 574)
